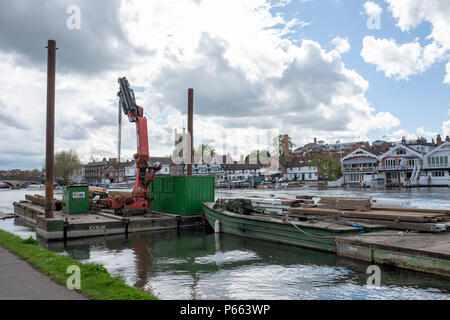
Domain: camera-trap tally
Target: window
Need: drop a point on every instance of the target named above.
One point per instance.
(438, 161)
(438, 173)
(390, 162)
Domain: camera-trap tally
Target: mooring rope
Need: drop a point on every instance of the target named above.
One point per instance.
(308, 234)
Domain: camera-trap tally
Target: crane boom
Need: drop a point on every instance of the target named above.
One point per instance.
(145, 173)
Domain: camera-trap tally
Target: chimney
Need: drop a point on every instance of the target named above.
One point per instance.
(403, 140)
(286, 151)
(447, 138)
(432, 142)
(315, 140)
(367, 145)
(438, 140)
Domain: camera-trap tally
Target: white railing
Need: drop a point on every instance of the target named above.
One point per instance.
(387, 168)
(438, 166)
(360, 169)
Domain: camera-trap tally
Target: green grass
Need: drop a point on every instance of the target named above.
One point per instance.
(96, 282)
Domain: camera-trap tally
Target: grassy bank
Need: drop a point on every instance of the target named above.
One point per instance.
(96, 282)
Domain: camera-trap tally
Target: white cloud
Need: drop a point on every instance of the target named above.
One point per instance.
(371, 8)
(396, 61)
(423, 133)
(446, 126)
(342, 44)
(447, 74)
(399, 134)
(385, 120)
(411, 13)
(400, 61)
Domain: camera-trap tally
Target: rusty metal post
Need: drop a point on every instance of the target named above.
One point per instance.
(50, 129)
(190, 130)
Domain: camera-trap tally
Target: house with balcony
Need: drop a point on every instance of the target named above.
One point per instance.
(401, 165)
(360, 166)
(437, 167)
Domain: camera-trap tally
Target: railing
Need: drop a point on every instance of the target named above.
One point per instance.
(360, 169)
(437, 166)
(387, 168)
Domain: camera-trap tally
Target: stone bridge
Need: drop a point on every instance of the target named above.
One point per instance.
(19, 183)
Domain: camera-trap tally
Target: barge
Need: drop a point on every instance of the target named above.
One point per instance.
(224, 216)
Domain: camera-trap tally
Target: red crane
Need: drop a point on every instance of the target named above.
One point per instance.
(140, 200)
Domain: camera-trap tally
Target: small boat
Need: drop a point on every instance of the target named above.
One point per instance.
(4, 186)
(238, 217)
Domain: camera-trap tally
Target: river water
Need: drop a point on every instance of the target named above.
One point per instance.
(197, 265)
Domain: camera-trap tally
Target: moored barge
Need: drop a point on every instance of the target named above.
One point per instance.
(313, 234)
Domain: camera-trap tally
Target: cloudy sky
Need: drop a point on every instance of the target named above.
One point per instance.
(332, 69)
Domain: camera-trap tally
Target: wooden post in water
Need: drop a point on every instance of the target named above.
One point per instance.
(50, 129)
(190, 130)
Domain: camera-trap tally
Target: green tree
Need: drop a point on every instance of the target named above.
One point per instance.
(203, 149)
(35, 172)
(66, 164)
(278, 144)
(328, 168)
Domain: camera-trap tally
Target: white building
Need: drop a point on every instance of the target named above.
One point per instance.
(359, 167)
(300, 172)
(130, 172)
(401, 165)
(436, 165)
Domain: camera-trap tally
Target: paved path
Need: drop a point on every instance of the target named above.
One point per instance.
(19, 280)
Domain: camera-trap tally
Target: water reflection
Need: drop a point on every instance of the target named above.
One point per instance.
(195, 265)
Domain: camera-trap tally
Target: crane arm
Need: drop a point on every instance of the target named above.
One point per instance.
(144, 173)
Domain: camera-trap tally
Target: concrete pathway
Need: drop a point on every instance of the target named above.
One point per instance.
(20, 281)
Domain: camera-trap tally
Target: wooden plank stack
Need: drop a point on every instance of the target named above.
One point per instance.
(121, 194)
(40, 200)
(362, 204)
(97, 190)
(111, 193)
(356, 210)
